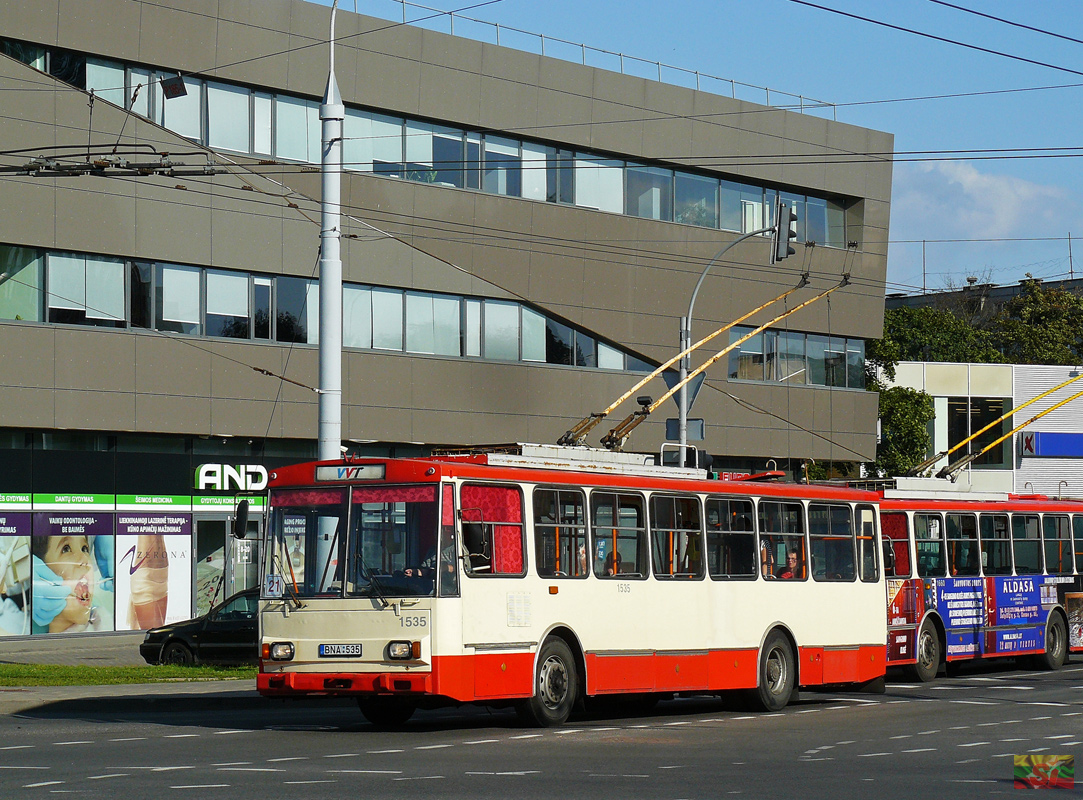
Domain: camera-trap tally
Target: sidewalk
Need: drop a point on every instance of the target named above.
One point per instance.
(113, 650)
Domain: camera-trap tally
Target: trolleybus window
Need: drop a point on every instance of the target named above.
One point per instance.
(493, 529)
(560, 533)
(620, 535)
(782, 539)
(1027, 544)
(831, 542)
(731, 538)
(1077, 527)
(448, 569)
(867, 554)
(308, 540)
(678, 541)
(929, 541)
(393, 547)
(963, 548)
(895, 542)
(1058, 544)
(996, 545)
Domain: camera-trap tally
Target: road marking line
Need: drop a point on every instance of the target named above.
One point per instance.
(81, 742)
(927, 733)
(343, 755)
(287, 758)
(6, 766)
(43, 783)
(538, 735)
(872, 755)
(422, 778)
(903, 736)
(572, 730)
(383, 752)
(130, 739)
(227, 733)
(203, 786)
(231, 764)
(182, 736)
(973, 744)
(1062, 736)
(433, 746)
(364, 772)
(17, 747)
(921, 750)
(167, 769)
(476, 741)
(248, 769)
(973, 703)
(110, 775)
(299, 783)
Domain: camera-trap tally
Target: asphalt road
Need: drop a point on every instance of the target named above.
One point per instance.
(952, 738)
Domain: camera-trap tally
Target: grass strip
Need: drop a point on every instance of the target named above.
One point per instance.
(83, 675)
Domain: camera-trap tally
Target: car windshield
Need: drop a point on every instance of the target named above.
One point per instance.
(389, 549)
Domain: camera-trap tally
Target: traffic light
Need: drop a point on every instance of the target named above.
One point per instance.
(785, 230)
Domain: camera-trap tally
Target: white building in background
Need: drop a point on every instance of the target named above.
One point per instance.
(1046, 457)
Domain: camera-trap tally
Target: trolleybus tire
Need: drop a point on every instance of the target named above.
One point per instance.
(778, 673)
(386, 712)
(555, 686)
(177, 654)
(927, 647)
(1056, 643)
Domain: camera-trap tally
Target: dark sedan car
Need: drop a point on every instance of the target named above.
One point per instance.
(227, 634)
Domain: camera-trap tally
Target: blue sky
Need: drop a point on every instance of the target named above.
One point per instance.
(793, 48)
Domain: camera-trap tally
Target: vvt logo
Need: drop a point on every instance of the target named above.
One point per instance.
(227, 477)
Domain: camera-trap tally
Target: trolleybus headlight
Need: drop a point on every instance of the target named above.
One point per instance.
(282, 651)
(401, 650)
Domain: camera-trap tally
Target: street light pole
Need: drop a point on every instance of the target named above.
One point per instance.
(686, 339)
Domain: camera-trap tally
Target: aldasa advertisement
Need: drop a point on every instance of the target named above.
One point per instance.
(959, 601)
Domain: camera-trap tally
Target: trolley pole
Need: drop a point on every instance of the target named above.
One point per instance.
(332, 114)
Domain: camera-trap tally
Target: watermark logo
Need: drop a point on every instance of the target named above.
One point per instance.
(1044, 772)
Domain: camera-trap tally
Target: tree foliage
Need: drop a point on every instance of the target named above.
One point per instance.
(1040, 326)
(905, 415)
(931, 334)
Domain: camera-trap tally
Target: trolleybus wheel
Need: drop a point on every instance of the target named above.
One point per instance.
(928, 653)
(385, 712)
(778, 673)
(1056, 641)
(555, 686)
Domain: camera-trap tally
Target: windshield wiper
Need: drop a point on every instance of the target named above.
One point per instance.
(371, 577)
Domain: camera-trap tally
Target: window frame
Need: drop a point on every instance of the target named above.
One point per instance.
(722, 533)
(469, 570)
(692, 538)
(642, 534)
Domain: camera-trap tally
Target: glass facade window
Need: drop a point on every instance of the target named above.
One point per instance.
(228, 117)
(501, 330)
(262, 128)
(472, 328)
(297, 129)
(967, 415)
(796, 202)
(261, 306)
(184, 114)
(176, 299)
(598, 183)
(648, 192)
(695, 200)
(105, 78)
(86, 290)
(21, 283)
(790, 358)
(141, 279)
(746, 360)
(836, 224)
(227, 304)
(387, 319)
(535, 171)
(560, 172)
(559, 343)
(534, 335)
(297, 310)
(356, 316)
(609, 357)
(502, 172)
(432, 324)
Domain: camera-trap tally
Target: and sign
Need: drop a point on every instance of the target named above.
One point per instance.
(230, 477)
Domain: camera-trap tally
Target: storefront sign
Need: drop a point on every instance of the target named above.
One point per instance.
(229, 477)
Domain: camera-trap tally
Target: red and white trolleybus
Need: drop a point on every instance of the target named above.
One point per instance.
(538, 576)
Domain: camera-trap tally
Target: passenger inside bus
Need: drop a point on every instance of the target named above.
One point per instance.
(767, 557)
(612, 563)
(791, 569)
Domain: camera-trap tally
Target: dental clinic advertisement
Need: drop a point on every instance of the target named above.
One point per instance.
(15, 573)
(72, 566)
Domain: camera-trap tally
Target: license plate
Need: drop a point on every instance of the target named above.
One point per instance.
(332, 650)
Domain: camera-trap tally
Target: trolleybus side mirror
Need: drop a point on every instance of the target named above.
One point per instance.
(240, 520)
